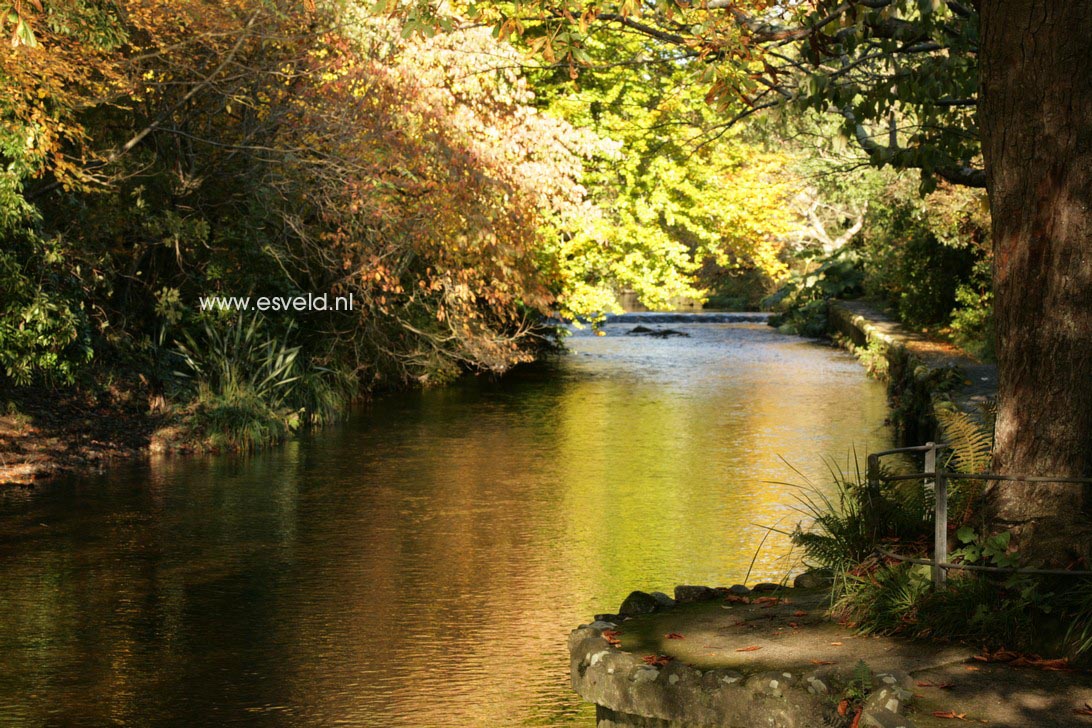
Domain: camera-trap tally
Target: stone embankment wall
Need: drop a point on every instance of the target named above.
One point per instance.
(920, 372)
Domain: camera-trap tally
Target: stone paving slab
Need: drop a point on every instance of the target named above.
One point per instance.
(714, 633)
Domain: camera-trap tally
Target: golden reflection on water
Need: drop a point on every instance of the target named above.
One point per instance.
(422, 565)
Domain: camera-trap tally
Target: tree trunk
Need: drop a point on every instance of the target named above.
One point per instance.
(1036, 124)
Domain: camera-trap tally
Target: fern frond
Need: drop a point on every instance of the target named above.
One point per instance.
(971, 441)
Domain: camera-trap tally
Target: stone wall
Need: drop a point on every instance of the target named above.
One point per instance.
(920, 372)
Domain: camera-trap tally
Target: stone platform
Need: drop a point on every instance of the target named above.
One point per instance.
(768, 657)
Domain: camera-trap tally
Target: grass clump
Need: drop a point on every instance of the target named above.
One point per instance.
(247, 386)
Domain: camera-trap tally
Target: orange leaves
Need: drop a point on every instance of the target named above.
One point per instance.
(767, 602)
(656, 660)
(821, 662)
(844, 706)
(611, 636)
(674, 636)
(1017, 659)
(949, 714)
(1086, 710)
(751, 648)
(761, 601)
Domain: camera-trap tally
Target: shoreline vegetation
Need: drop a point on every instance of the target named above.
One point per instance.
(46, 433)
(458, 186)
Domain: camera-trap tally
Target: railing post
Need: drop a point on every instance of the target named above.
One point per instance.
(873, 473)
(930, 462)
(940, 536)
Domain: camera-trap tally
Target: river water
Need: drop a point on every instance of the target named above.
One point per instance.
(422, 564)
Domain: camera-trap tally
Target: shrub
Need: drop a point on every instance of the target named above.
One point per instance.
(802, 301)
(909, 267)
(849, 531)
(44, 331)
(247, 386)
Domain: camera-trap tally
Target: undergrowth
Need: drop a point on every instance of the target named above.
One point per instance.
(247, 386)
(854, 526)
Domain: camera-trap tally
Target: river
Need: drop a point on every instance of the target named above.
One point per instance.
(422, 564)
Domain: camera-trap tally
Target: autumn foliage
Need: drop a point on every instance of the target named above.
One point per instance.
(158, 152)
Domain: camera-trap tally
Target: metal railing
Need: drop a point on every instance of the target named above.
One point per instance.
(936, 477)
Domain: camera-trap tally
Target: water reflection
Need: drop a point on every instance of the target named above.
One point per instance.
(422, 565)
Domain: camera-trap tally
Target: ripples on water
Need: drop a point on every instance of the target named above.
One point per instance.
(423, 564)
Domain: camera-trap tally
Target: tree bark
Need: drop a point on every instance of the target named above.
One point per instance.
(1035, 118)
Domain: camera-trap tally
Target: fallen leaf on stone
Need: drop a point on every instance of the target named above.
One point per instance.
(1017, 659)
(972, 668)
(674, 636)
(799, 613)
(611, 636)
(857, 718)
(835, 644)
(767, 602)
(737, 599)
(752, 648)
(950, 714)
(1086, 710)
(821, 662)
(843, 708)
(1001, 655)
(657, 660)
(794, 625)
(1060, 664)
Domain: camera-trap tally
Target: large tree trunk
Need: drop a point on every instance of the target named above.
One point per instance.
(1036, 124)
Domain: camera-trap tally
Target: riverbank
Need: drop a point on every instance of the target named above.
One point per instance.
(922, 373)
(46, 433)
(767, 656)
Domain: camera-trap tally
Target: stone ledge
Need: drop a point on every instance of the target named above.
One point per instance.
(746, 658)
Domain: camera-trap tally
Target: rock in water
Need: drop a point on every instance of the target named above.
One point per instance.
(814, 579)
(685, 594)
(639, 602)
(664, 600)
(655, 333)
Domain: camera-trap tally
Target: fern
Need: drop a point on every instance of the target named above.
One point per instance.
(971, 441)
(971, 444)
